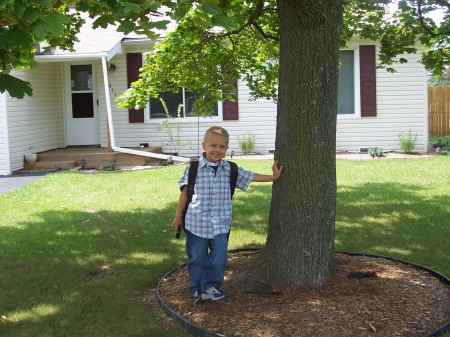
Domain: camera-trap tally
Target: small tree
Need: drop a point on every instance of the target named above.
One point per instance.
(172, 128)
(408, 141)
(247, 143)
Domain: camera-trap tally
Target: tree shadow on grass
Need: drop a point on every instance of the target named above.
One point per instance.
(377, 218)
(394, 220)
(74, 273)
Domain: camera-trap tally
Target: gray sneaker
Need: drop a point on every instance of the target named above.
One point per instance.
(211, 294)
(197, 296)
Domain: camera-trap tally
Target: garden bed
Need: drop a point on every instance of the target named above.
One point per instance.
(401, 300)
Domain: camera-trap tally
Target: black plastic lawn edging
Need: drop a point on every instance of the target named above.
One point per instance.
(197, 330)
(192, 328)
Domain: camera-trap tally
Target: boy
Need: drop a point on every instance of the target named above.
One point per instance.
(208, 218)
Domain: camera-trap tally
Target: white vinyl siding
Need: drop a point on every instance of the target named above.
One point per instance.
(401, 104)
(36, 121)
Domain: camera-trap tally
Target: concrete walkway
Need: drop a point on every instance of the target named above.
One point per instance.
(11, 182)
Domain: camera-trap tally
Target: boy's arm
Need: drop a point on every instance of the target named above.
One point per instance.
(177, 223)
(276, 173)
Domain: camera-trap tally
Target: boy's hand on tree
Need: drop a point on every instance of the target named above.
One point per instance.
(276, 171)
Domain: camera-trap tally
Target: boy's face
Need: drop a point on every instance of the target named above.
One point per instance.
(215, 148)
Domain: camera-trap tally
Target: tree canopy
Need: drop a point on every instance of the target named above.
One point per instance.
(248, 44)
(231, 36)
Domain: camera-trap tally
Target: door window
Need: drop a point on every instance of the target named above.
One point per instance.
(82, 93)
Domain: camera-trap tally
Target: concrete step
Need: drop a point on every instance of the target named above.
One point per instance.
(96, 157)
(50, 165)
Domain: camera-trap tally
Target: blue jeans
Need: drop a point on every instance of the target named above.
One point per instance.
(207, 260)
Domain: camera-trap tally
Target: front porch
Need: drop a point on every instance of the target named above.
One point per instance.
(70, 157)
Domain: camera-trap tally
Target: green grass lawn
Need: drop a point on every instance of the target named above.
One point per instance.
(79, 253)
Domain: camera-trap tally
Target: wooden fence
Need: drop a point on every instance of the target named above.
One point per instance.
(439, 111)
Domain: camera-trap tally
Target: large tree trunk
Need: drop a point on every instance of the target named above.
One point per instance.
(300, 242)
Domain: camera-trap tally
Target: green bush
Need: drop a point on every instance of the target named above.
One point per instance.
(375, 151)
(109, 167)
(408, 141)
(247, 143)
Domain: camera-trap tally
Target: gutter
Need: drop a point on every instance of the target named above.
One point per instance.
(69, 57)
(111, 128)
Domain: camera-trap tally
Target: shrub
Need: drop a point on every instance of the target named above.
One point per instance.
(375, 151)
(408, 141)
(109, 167)
(247, 143)
(172, 128)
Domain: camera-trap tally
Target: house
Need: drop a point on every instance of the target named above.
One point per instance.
(75, 92)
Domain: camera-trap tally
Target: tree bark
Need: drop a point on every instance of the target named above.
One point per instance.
(300, 241)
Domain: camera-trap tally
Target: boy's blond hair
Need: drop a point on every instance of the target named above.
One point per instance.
(216, 130)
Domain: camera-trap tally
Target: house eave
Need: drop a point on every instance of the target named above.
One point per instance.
(137, 42)
(69, 57)
(74, 57)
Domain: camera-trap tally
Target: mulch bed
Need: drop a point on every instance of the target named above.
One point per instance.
(401, 300)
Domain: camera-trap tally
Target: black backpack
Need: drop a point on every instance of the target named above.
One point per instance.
(192, 176)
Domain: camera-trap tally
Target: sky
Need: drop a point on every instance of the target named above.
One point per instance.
(436, 15)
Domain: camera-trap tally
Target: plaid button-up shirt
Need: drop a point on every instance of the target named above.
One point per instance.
(210, 211)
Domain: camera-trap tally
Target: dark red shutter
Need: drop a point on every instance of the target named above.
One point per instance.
(134, 63)
(368, 83)
(230, 109)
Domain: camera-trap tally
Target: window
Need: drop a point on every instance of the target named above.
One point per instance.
(81, 90)
(357, 85)
(346, 83)
(227, 110)
(173, 100)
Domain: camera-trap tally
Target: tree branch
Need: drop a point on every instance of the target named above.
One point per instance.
(252, 21)
(442, 3)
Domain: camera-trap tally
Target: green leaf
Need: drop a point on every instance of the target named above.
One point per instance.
(20, 38)
(211, 10)
(51, 24)
(181, 12)
(214, 3)
(103, 21)
(129, 7)
(160, 24)
(19, 8)
(31, 15)
(126, 27)
(15, 87)
(225, 22)
(151, 35)
(44, 3)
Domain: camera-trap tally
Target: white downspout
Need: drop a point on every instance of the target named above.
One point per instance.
(7, 144)
(111, 129)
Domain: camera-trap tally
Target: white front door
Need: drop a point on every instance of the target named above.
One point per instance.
(82, 122)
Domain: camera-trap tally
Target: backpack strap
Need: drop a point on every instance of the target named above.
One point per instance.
(233, 177)
(192, 177)
(233, 181)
